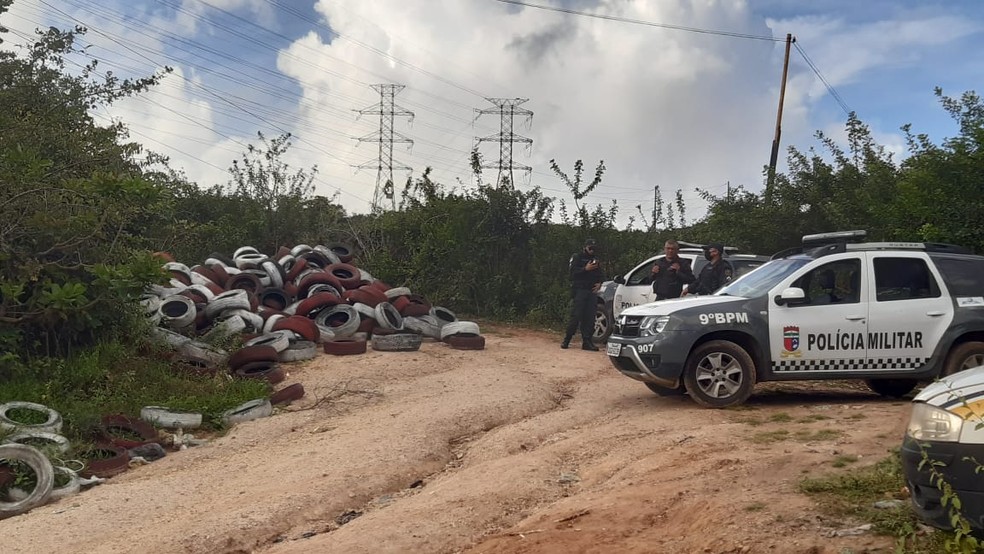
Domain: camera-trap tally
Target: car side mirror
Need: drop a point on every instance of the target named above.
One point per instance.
(620, 280)
(791, 297)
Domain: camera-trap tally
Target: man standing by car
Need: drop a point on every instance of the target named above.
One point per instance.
(586, 278)
(715, 274)
(671, 273)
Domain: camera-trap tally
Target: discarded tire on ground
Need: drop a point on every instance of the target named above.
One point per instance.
(269, 371)
(278, 340)
(397, 292)
(177, 312)
(443, 315)
(287, 394)
(343, 320)
(345, 347)
(254, 409)
(306, 328)
(44, 475)
(57, 492)
(422, 326)
(459, 328)
(388, 316)
(52, 424)
(258, 353)
(41, 440)
(466, 342)
(170, 419)
(299, 351)
(109, 461)
(397, 342)
(125, 431)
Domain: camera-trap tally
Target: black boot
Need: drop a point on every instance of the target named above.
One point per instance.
(589, 346)
(566, 343)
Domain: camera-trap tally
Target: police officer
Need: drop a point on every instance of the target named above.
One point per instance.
(586, 278)
(670, 273)
(715, 274)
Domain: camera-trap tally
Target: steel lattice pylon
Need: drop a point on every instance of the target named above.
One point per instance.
(385, 136)
(507, 108)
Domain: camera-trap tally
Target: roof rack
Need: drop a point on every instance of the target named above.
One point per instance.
(820, 239)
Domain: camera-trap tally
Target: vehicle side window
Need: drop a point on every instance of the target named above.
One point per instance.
(834, 283)
(903, 279)
(638, 275)
(963, 276)
(744, 267)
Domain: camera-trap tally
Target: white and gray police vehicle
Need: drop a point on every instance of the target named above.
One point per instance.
(891, 313)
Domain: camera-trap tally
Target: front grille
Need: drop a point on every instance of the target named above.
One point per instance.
(628, 325)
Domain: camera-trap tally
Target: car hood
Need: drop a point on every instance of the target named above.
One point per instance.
(673, 305)
(959, 388)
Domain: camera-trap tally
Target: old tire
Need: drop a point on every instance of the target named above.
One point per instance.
(719, 374)
(300, 351)
(894, 388)
(287, 394)
(117, 463)
(466, 342)
(666, 391)
(269, 371)
(68, 489)
(388, 317)
(53, 424)
(119, 422)
(397, 342)
(248, 411)
(345, 347)
(43, 471)
(964, 356)
(468, 328)
(260, 353)
(278, 340)
(52, 440)
(169, 419)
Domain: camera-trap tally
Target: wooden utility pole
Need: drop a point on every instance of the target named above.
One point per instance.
(775, 142)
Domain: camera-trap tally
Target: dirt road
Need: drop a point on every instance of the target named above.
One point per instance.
(523, 447)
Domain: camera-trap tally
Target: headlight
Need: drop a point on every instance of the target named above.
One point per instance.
(653, 325)
(934, 424)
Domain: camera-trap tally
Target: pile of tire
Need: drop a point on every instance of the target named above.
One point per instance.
(25, 444)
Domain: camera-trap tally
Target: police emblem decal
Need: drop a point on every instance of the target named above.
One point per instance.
(791, 341)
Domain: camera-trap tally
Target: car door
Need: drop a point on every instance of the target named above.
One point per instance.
(635, 291)
(827, 331)
(908, 312)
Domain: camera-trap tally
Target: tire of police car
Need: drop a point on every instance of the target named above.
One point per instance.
(895, 388)
(965, 356)
(602, 323)
(666, 391)
(733, 351)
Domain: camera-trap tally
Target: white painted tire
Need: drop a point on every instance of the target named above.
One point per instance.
(388, 317)
(72, 487)
(300, 249)
(344, 330)
(422, 326)
(365, 310)
(254, 409)
(236, 299)
(462, 327)
(397, 292)
(169, 337)
(365, 276)
(177, 312)
(244, 250)
(204, 290)
(292, 309)
(273, 272)
(169, 419)
(397, 342)
(44, 475)
(53, 424)
(299, 351)
(325, 334)
(279, 340)
(57, 442)
(442, 315)
(271, 321)
(226, 328)
(328, 253)
(250, 319)
(204, 351)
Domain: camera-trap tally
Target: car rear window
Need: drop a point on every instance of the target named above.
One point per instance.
(963, 276)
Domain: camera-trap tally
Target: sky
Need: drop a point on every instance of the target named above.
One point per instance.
(657, 98)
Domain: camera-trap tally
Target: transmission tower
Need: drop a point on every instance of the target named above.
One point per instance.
(386, 137)
(507, 108)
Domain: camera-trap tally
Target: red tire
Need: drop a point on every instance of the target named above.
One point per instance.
(288, 394)
(379, 295)
(221, 274)
(111, 425)
(366, 324)
(281, 252)
(380, 286)
(246, 281)
(317, 302)
(300, 264)
(400, 302)
(343, 251)
(348, 275)
(466, 342)
(206, 273)
(112, 460)
(196, 296)
(269, 371)
(360, 296)
(317, 278)
(251, 354)
(299, 324)
(180, 277)
(345, 347)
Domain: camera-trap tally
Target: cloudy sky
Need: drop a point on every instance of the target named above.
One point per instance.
(661, 105)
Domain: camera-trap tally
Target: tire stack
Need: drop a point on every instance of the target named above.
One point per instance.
(285, 305)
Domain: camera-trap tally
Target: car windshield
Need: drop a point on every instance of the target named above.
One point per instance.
(760, 280)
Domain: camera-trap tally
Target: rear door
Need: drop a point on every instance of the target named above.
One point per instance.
(908, 313)
(634, 292)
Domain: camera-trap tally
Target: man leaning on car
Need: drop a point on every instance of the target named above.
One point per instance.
(670, 274)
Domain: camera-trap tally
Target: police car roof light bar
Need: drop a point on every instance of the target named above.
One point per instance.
(820, 239)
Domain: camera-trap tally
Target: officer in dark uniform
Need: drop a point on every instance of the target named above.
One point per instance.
(670, 273)
(586, 278)
(715, 274)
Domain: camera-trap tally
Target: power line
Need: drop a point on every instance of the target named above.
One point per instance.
(643, 22)
(816, 70)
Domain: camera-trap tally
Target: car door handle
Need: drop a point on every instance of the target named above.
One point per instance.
(935, 314)
(855, 318)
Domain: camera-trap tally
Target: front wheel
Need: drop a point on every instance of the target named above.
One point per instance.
(719, 374)
(965, 356)
(895, 388)
(602, 324)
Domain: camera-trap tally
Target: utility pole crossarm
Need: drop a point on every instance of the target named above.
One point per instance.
(507, 109)
(386, 137)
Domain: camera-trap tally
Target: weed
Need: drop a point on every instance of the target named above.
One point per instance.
(856, 417)
(814, 417)
(781, 417)
(820, 435)
(753, 421)
(843, 460)
(755, 507)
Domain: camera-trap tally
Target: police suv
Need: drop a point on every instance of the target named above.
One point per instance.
(891, 313)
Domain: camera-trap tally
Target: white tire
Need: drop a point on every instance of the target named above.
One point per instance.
(325, 334)
(365, 276)
(52, 424)
(442, 315)
(365, 310)
(421, 326)
(169, 337)
(251, 319)
(273, 273)
(328, 253)
(292, 309)
(459, 327)
(248, 260)
(271, 321)
(344, 330)
(299, 351)
(204, 351)
(279, 340)
(226, 328)
(254, 409)
(300, 249)
(398, 342)
(44, 477)
(388, 317)
(230, 300)
(177, 312)
(397, 292)
(169, 419)
(203, 290)
(244, 250)
(53, 441)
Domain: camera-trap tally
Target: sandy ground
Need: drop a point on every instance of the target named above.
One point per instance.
(523, 447)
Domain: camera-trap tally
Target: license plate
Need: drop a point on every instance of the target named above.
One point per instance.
(614, 349)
